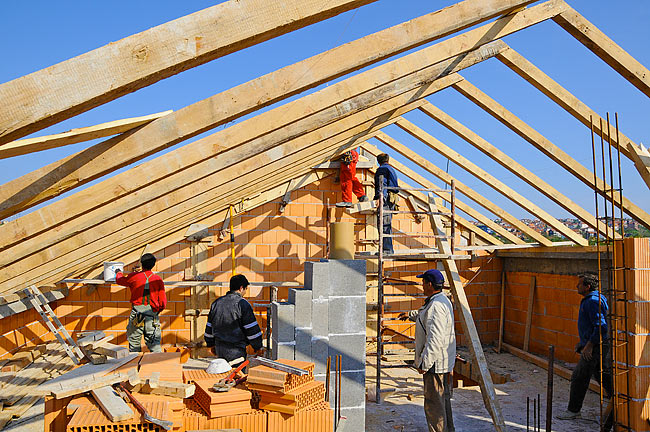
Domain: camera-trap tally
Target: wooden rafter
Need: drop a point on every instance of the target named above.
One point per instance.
(462, 188)
(460, 204)
(544, 145)
(489, 180)
(190, 121)
(575, 107)
(75, 86)
(510, 164)
(605, 48)
(190, 162)
(31, 145)
(251, 156)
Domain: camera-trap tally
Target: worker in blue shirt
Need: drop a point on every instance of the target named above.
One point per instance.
(592, 329)
(388, 176)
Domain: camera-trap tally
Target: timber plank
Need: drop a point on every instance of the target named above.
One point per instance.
(545, 146)
(490, 180)
(113, 405)
(150, 56)
(219, 109)
(461, 187)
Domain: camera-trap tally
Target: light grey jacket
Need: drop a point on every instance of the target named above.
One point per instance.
(435, 338)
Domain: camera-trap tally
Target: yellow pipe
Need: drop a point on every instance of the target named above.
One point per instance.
(232, 240)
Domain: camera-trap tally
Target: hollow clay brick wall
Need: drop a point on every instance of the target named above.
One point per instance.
(555, 313)
(270, 247)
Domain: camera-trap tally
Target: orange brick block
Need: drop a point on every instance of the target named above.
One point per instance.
(315, 418)
(167, 363)
(89, 418)
(293, 401)
(268, 379)
(219, 404)
(194, 418)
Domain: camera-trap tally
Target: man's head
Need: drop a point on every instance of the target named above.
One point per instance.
(238, 282)
(382, 159)
(432, 281)
(587, 282)
(148, 261)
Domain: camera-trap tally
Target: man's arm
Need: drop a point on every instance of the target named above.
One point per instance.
(377, 174)
(437, 324)
(249, 325)
(157, 290)
(411, 315)
(121, 279)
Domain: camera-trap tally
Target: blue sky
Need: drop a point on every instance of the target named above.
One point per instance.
(38, 34)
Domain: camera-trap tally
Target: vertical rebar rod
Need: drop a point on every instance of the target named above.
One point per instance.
(612, 274)
(527, 414)
(340, 372)
(600, 286)
(380, 285)
(539, 412)
(623, 266)
(534, 414)
(453, 216)
(549, 388)
(336, 394)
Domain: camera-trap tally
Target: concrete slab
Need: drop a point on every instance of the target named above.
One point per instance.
(347, 314)
(303, 344)
(347, 277)
(301, 299)
(320, 317)
(353, 349)
(317, 278)
(282, 316)
(282, 350)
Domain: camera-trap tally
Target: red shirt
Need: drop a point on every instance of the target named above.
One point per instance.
(136, 282)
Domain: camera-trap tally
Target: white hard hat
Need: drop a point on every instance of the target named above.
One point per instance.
(218, 366)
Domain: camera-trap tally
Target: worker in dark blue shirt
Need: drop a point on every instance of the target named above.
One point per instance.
(387, 175)
(592, 329)
(232, 325)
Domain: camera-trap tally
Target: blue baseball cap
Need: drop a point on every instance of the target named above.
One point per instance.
(434, 276)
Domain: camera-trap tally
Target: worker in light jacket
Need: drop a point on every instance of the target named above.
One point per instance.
(435, 350)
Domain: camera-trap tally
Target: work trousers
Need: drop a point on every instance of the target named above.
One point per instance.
(143, 324)
(229, 352)
(584, 371)
(387, 227)
(437, 402)
(349, 182)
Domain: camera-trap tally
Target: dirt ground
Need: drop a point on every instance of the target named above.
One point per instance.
(398, 413)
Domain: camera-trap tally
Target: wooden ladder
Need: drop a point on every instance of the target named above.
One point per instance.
(460, 299)
(41, 305)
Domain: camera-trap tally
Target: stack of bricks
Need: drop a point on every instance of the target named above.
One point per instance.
(220, 404)
(635, 274)
(327, 318)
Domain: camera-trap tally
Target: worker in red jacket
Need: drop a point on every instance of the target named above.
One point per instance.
(148, 299)
(349, 181)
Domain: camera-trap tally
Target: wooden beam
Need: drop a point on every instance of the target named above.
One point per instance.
(510, 164)
(31, 145)
(60, 391)
(74, 86)
(462, 188)
(545, 146)
(490, 180)
(190, 121)
(469, 328)
(574, 106)
(402, 169)
(543, 363)
(214, 167)
(260, 133)
(112, 404)
(151, 220)
(529, 311)
(605, 48)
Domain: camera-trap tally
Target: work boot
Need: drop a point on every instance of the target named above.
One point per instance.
(344, 204)
(568, 415)
(363, 198)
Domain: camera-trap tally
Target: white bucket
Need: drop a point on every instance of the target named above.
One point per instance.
(110, 268)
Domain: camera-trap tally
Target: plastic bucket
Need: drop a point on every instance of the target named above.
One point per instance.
(110, 268)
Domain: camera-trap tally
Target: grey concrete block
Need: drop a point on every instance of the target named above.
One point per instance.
(320, 317)
(301, 299)
(282, 325)
(281, 350)
(347, 314)
(347, 277)
(355, 419)
(303, 344)
(352, 348)
(317, 278)
(353, 388)
(319, 353)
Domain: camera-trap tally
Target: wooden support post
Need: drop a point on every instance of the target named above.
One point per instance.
(502, 312)
(460, 299)
(529, 312)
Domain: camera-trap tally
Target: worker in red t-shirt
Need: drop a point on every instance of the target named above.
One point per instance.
(349, 181)
(148, 299)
